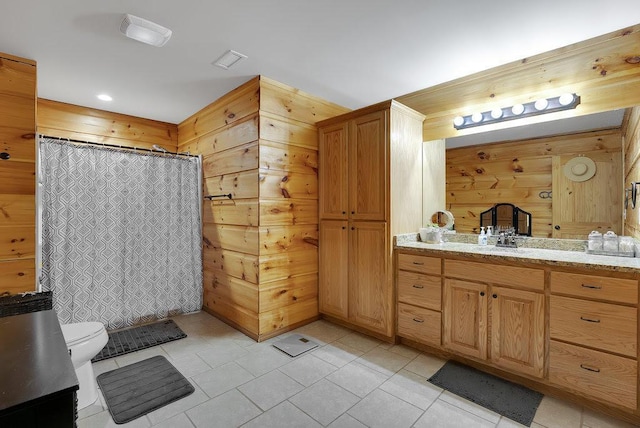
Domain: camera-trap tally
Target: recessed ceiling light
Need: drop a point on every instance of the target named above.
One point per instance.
(228, 59)
(144, 31)
(105, 97)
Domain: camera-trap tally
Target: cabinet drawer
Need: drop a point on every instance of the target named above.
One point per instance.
(422, 325)
(495, 274)
(430, 265)
(420, 290)
(596, 287)
(599, 325)
(597, 374)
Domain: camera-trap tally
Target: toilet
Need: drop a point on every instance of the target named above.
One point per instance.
(85, 340)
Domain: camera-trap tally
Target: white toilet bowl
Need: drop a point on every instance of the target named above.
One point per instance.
(85, 340)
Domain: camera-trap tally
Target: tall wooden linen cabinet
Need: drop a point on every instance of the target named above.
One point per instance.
(370, 189)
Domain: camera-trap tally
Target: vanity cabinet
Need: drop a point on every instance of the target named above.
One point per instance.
(365, 157)
(488, 320)
(419, 288)
(594, 332)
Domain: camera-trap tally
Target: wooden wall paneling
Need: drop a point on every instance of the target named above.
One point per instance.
(275, 267)
(243, 239)
(242, 212)
(235, 134)
(283, 184)
(17, 276)
(288, 291)
(284, 157)
(598, 69)
(284, 130)
(631, 131)
(231, 108)
(241, 158)
(241, 318)
(280, 319)
(288, 211)
(234, 290)
(62, 120)
(284, 239)
(17, 174)
(242, 185)
(240, 265)
(287, 102)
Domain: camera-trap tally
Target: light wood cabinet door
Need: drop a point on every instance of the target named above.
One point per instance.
(464, 310)
(333, 198)
(368, 178)
(370, 290)
(517, 330)
(333, 290)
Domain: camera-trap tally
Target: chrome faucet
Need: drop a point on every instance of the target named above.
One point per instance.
(507, 238)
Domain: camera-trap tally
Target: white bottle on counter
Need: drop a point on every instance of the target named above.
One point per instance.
(482, 238)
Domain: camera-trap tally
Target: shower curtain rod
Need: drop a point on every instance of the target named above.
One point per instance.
(118, 146)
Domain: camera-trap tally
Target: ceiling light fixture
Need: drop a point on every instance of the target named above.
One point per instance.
(144, 31)
(228, 59)
(104, 97)
(534, 108)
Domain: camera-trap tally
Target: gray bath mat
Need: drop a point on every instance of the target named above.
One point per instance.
(137, 389)
(136, 338)
(295, 345)
(509, 399)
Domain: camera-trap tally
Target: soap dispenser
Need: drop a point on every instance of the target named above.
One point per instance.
(482, 238)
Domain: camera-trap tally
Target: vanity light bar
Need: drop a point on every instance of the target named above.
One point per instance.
(518, 111)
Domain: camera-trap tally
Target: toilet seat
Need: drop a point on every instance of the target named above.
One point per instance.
(81, 332)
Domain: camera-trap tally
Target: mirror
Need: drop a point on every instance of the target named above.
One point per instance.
(443, 219)
(507, 216)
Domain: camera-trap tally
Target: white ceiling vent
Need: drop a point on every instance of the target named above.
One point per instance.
(144, 31)
(228, 59)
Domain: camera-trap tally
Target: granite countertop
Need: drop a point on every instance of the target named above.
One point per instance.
(570, 255)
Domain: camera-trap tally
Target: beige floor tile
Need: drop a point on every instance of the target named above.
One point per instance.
(261, 361)
(425, 365)
(382, 410)
(508, 423)
(104, 366)
(592, 419)
(221, 379)
(134, 357)
(190, 365)
(346, 421)
(104, 420)
(221, 353)
(404, 350)
(360, 341)
(555, 413)
(383, 361)
(229, 410)
(323, 331)
(270, 389)
(337, 354)
(308, 369)
(412, 388)
(444, 415)
(177, 407)
(324, 401)
(183, 347)
(284, 415)
(179, 421)
(470, 407)
(358, 379)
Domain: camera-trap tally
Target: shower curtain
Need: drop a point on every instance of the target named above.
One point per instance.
(121, 234)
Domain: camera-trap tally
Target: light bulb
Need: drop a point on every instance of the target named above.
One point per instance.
(476, 117)
(458, 120)
(496, 113)
(517, 109)
(541, 104)
(565, 99)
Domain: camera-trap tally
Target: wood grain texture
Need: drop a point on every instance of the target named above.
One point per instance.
(597, 69)
(512, 276)
(595, 287)
(62, 120)
(288, 211)
(333, 268)
(420, 290)
(420, 324)
(236, 315)
(281, 184)
(243, 239)
(603, 326)
(631, 132)
(480, 176)
(284, 239)
(17, 210)
(285, 157)
(333, 174)
(235, 160)
(241, 212)
(233, 135)
(464, 314)
(231, 289)
(17, 276)
(281, 318)
(421, 264)
(599, 375)
(17, 242)
(275, 267)
(241, 185)
(234, 263)
(288, 291)
(280, 129)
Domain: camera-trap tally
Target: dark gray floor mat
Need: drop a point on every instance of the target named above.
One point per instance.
(137, 389)
(136, 338)
(509, 399)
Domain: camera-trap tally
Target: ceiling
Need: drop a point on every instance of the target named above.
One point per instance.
(351, 52)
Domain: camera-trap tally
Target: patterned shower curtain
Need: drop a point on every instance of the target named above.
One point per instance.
(121, 234)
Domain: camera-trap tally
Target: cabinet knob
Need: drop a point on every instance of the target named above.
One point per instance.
(353, 212)
(353, 228)
(344, 227)
(482, 293)
(556, 227)
(495, 296)
(344, 212)
(5, 156)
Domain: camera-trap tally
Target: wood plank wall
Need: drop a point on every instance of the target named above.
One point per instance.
(63, 120)
(17, 174)
(631, 139)
(514, 172)
(259, 143)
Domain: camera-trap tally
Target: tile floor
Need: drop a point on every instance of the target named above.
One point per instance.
(351, 380)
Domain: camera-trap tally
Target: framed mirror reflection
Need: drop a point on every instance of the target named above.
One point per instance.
(505, 216)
